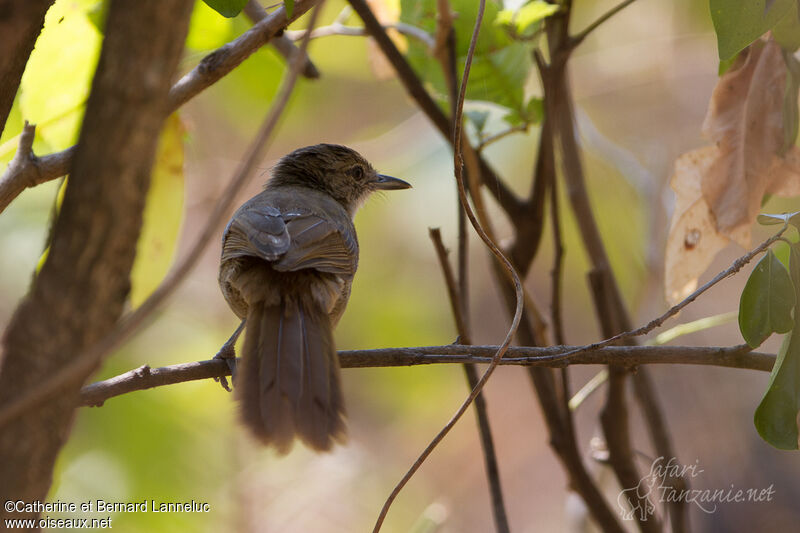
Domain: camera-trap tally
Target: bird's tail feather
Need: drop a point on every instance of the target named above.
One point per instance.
(288, 383)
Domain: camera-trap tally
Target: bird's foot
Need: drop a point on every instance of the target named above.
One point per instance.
(228, 354)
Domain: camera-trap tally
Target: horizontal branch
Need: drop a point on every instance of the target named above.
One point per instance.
(628, 356)
(338, 28)
(32, 170)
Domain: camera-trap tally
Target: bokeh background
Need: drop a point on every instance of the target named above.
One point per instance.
(641, 82)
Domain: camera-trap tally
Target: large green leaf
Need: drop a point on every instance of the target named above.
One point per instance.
(59, 73)
(740, 22)
(227, 8)
(500, 65)
(162, 214)
(776, 417)
(767, 301)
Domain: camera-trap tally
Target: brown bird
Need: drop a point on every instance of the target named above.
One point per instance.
(289, 255)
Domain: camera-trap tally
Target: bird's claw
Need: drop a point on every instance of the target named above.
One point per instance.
(227, 354)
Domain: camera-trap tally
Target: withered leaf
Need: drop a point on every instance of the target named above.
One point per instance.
(720, 187)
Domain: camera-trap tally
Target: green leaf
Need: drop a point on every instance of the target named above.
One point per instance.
(726, 64)
(767, 301)
(526, 16)
(58, 76)
(478, 119)
(787, 31)
(500, 65)
(207, 30)
(289, 7)
(776, 417)
(97, 15)
(534, 111)
(162, 214)
(740, 22)
(514, 119)
(228, 8)
(499, 77)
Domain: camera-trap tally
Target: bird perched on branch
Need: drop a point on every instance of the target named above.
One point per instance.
(289, 255)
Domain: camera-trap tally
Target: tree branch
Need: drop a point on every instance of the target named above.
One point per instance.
(210, 70)
(79, 366)
(337, 28)
(94, 238)
(20, 24)
(739, 357)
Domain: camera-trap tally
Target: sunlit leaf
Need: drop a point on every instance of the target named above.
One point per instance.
(162, 214)
(207, 30)
(776, 417)
(227, 8)
(738, 23)
(59, 73)
(526, 16)
(97, 15)
(767, 301)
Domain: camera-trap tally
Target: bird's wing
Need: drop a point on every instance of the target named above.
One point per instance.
(256, 231)
(320, 243)
(291, 239)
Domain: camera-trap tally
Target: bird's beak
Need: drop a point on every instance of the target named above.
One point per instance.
(388, 183)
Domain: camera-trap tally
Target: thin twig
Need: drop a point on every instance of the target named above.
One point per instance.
(131, 322)
(737, 265)
(451, 284)
(211, 69)
(557, 271)
(256, 13)
(579, 37)
(737, 357)
(459, 172)
(445, 52)
(352, 31)
(481, 410)
(500, 135)
(556, 317)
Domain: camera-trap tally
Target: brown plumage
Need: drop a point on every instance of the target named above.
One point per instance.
(289, 255)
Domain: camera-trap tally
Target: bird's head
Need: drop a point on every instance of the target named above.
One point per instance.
(336, 170)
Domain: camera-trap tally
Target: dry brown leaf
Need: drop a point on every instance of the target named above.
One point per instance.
(719, 188)
(745, 121)
(693, 237)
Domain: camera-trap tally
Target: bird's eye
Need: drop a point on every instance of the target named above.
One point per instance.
(357, 172)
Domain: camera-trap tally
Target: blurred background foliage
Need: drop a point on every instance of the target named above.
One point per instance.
(642, 84)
